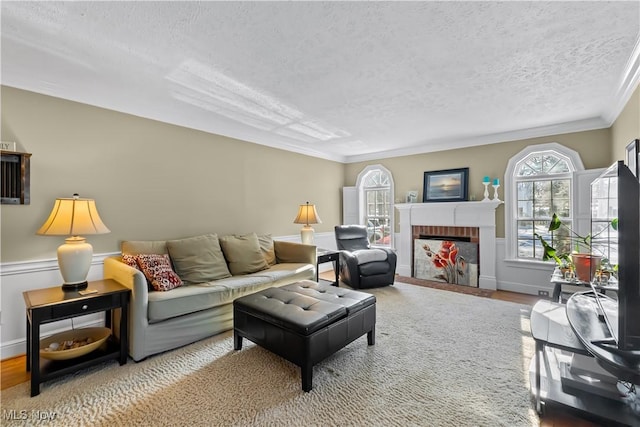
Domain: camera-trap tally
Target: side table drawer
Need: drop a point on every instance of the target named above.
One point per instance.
(88, 306)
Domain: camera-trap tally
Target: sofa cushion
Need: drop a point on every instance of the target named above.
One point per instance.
(266, 245)
(203, 296)
(243, 254)
(189, 299)
(285, 273)
(157, 269)
(135, 247)
(198, 259)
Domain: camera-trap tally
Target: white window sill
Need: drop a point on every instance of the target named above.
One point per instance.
(529, 264)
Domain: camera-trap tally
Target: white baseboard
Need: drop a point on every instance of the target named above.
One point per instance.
(525, 288)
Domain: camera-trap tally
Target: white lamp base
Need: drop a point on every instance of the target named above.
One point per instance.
(74, 260)
(306, 234)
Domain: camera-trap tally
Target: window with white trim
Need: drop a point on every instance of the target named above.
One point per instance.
(540, 182)
(375, 194)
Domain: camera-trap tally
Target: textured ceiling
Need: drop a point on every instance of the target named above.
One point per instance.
(345, 81)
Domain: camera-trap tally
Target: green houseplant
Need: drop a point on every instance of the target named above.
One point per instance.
(581, 257)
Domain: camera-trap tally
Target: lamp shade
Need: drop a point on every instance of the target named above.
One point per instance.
(307, 214)
(72, 217)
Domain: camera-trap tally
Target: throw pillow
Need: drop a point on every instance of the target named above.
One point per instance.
(131, 261)
(243, 254)
(157, 269)
(266, 246)
(198, 259)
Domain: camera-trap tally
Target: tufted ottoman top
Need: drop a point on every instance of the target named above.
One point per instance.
(303, 307)
(351, 300)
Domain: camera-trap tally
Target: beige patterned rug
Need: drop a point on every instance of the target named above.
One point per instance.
(440, 359)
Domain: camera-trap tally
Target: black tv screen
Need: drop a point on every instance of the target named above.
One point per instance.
(616, 194)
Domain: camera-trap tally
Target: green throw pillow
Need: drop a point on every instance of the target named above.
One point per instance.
(243, 254)
(266, 245)
(198, 259)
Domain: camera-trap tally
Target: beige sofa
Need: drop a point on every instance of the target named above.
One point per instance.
(163, 320)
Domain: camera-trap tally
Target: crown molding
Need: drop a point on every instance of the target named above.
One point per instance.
(628, 83)
(495, 138)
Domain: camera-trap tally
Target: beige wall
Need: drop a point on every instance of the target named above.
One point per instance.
(408, 171)
(626, 127)
(153, 180)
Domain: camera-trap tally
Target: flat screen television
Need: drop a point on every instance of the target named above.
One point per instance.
(616, 194)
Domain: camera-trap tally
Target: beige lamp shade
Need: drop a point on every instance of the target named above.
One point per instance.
(307, 214)
(72, 217)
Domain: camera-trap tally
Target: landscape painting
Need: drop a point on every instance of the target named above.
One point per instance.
(446, 185)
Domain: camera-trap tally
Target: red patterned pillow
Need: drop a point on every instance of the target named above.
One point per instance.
(157, 269)
(131, 261)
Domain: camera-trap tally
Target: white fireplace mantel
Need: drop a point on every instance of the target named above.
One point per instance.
(451, 214)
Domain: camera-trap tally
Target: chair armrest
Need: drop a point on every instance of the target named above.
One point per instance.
(294, 252)
(391, 253)
(392, 257)
(349, 268)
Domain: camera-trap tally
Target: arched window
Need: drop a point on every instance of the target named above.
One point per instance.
(539, 182)
(375, 200)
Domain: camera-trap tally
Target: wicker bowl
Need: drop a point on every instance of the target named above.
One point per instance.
(97, 335)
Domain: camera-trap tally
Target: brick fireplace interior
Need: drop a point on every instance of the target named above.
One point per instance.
(468, 234)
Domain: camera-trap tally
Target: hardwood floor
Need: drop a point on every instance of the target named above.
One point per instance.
(13, 370)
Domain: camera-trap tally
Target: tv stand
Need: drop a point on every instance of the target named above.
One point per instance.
(587, 313)
(550, 329)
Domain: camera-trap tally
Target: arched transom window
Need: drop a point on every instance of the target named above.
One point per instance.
(541, 184)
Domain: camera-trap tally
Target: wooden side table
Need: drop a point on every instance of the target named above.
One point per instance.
(53, 304)
(328, 255)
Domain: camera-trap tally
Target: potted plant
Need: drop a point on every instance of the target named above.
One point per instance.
(607, 269)
(583, 260)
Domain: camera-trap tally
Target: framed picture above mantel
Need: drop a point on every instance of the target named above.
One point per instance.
(449, 185)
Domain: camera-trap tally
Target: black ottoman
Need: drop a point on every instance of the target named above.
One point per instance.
(304, 322)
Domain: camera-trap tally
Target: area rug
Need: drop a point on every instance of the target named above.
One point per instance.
(440, 359)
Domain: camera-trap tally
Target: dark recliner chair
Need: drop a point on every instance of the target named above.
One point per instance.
(362, 266)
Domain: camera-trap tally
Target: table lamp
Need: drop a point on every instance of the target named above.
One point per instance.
(307, 214)
(72, 217)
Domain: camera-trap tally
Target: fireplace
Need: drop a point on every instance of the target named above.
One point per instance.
(472, 220)
(451, 256)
